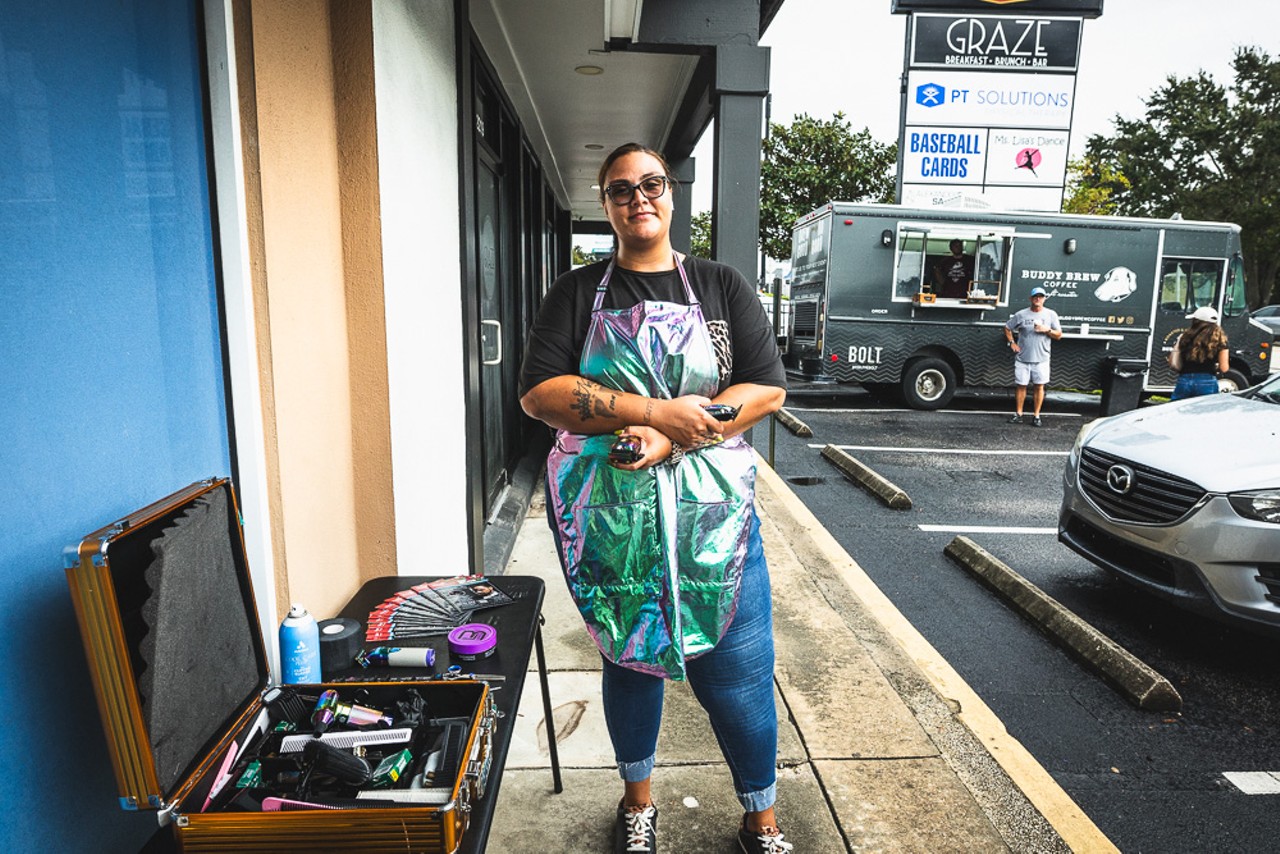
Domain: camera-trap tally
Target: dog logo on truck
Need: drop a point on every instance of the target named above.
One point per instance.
(1118, 284)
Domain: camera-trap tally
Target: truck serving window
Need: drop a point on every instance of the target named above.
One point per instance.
(950, 266)
(910, 264)
(988, 277)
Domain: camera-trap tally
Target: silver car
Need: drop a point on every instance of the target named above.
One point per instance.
(1268, 316)
(1183, 500)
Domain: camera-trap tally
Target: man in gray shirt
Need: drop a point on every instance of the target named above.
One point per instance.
(1036, 328)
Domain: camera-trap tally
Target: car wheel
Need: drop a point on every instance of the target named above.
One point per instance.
(1232, 381)
(928, 384)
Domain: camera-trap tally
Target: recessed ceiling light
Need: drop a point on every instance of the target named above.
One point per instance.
(593, 146)
(589, 70)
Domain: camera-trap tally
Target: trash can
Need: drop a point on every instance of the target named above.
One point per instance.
(1122, 381)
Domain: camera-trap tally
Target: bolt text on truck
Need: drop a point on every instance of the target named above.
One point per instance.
(879, 298)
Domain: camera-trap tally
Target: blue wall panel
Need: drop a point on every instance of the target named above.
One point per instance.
(111, 371)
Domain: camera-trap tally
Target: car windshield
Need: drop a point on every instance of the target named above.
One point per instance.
(1268, 392)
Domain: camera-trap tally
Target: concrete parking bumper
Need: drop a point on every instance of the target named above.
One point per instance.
(1136, 681)
(868, 478)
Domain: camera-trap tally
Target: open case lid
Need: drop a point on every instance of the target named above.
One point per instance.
(170, 628)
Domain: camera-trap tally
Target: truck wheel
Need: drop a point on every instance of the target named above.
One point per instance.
(1232, 381)
(928, 384)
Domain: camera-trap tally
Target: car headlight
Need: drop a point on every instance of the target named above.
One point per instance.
(1074, 458)
(1263, 505)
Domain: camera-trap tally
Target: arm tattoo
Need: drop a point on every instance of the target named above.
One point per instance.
(648, 410)
(588, 403)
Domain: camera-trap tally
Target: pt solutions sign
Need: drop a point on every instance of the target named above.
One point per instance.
(986, 113)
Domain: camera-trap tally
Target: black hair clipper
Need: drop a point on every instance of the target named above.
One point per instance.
(626, 449)
(722, 411)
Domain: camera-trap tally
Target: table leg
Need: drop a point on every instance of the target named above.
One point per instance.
(546, 708)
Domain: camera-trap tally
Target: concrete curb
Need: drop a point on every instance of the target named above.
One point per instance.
(867, 478)
(795, 425)
(1066, 818)
(1139, 684)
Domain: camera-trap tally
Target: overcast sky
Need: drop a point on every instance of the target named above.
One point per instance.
(847, 55)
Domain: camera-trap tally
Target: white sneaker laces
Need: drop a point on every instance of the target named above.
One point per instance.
(639, 826)
(774, 844)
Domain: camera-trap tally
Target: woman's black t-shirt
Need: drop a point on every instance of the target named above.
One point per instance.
(746, 349)
(1189, 366)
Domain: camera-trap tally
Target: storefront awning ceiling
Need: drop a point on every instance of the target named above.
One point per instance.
(579, 88)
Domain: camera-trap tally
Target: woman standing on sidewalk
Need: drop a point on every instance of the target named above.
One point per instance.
(662, 554)
(1199, 355)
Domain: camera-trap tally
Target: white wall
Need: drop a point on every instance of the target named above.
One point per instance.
(415, 78)
(242, 354)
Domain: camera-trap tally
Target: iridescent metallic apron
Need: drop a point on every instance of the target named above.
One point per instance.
(653, 558)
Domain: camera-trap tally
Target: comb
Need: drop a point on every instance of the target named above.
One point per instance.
(347, 740)
(455, 739)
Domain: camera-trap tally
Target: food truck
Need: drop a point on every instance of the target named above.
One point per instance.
(916, 300)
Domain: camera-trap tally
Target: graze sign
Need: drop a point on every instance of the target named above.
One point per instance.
(1083, 8)
(995, 43)
(1000, 74)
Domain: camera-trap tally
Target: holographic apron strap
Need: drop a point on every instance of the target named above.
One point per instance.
(684, 279)
(608, 274)
(604, 285)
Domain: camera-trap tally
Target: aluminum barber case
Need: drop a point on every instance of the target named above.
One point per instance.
(231, 763)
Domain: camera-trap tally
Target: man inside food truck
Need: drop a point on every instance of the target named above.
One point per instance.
(953, 275)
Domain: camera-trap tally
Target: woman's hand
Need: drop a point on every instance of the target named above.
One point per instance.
(684, 421)
(654, 448)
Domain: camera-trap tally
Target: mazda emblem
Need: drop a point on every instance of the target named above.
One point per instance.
(1120, 479)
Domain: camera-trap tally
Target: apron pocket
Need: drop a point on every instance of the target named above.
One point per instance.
(711, 549)
(618, 581)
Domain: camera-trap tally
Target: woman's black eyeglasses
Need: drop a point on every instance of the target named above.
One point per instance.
(621, 193)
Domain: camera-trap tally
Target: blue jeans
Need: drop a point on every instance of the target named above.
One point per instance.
(1194, 385)
(734, 684)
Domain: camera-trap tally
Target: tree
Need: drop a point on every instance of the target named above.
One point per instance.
(1205, 152)
(700, 235)
(811, 162)
(1090, 186)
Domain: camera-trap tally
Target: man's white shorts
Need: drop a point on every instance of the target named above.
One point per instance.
(1030, 373)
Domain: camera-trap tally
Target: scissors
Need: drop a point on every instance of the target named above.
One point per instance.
(455, 672)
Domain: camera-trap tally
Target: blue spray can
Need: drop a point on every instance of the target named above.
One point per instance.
(299, 647)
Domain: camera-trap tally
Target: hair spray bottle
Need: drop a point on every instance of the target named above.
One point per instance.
(299, 647)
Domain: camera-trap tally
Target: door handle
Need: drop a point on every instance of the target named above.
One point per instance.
(497, 360)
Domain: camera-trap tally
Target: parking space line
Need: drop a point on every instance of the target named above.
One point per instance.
(1004, 452)
(1004, 412)
(986, 529)
(1254, 782)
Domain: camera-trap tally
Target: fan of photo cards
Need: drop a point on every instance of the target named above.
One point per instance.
(432, 608)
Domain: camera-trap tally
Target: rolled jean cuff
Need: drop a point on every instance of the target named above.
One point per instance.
(634, 772)
(760, 800)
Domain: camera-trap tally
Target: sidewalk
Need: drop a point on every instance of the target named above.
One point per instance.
(881, 745)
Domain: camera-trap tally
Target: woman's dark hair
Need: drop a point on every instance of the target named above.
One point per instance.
(632, 148)
(1202, 342)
